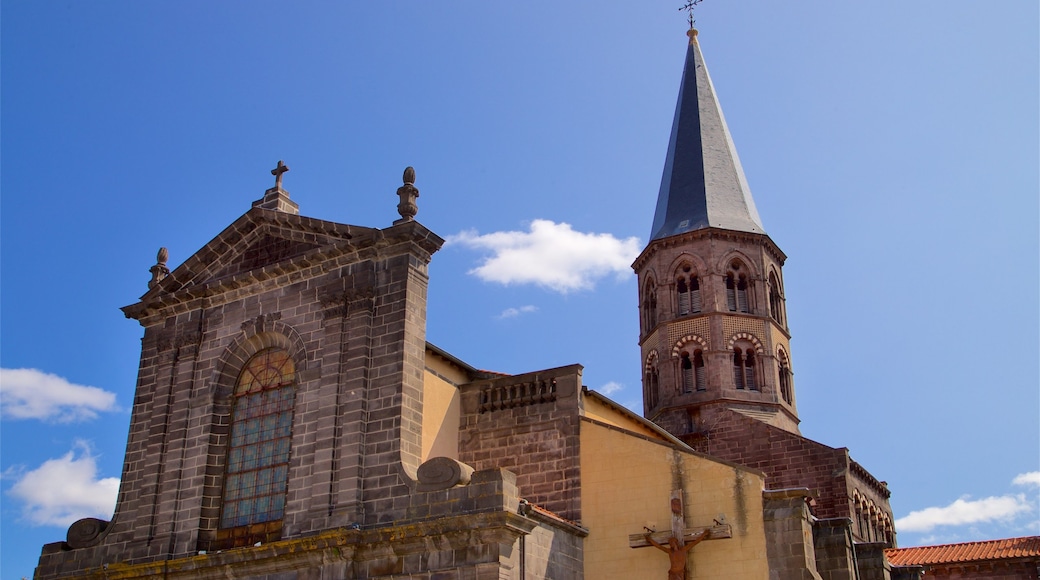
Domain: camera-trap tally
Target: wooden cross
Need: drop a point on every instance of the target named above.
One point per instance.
(678, 541)
(277, 173)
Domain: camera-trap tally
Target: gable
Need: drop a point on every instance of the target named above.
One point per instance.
(268, 250)
(258, 239)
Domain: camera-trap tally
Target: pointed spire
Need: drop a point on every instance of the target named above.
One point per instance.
(703, 183)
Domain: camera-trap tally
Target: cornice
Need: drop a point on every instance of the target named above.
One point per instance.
(708, 233)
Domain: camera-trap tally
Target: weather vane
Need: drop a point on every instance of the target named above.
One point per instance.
(688, 7)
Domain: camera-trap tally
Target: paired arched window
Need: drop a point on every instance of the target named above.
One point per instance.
(776, 301)
(692, 371)
(257, 471)
(688, 291)
(649, 306)
(738, 288)
(651, 381)
(744, 368)
(784, 367)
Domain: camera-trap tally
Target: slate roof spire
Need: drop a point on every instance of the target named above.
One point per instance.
(703, 183)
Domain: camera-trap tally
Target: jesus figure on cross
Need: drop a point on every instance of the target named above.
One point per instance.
(677, 553)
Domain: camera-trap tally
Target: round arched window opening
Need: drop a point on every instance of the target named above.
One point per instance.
(257, 470)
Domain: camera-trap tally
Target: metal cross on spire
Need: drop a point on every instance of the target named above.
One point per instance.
(688, 7)
(277, 173)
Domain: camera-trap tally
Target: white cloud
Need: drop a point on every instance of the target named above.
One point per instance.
(550, 255)
(611, 388)
(964, 511)
(514, 312)
(63, 490)
(33, 394)
(1031, 479)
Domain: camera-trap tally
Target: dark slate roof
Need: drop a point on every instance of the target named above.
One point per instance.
(703, 183)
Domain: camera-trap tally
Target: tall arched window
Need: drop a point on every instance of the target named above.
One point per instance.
(688, 288)
(689, 380)
(652, 385)
(744, 368)
(692, 367)
(698, 370)
(776, 302)
(737, 289)
(785, 377)
(257, 472)
(649, 306)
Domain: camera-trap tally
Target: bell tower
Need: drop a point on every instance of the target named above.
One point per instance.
(713, 330)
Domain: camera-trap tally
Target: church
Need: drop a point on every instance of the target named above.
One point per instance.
(292, 422)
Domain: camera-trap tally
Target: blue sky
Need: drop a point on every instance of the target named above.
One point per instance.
(892, 149)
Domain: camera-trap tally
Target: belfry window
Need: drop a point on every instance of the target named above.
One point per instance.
(256, 476)
(689, 380)
(744, 369)
(651, 387)
(649, 307)
(688, 289)
(776, 302)
(693, 376)
(785, 378)
(737, 289)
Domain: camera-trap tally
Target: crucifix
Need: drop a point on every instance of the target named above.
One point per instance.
(678, 541)
(277, 173)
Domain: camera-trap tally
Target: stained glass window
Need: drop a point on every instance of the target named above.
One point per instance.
(258, 452)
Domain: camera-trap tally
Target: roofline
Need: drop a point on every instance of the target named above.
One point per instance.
(453, 359)
(638, 418)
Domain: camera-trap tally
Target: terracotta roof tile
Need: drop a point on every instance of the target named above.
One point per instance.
(1005, 549)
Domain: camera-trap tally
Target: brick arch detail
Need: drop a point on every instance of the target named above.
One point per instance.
(752, 267)
(697, 265)
(273, 334)
(748, 337)
(651, 359)
(686, 340)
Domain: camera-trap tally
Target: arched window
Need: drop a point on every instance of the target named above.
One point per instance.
(688, 288)
(257, 472)
(776, 302)
(652, 384)
(744, 368)
(737, 289)
(692, 367)
(649, 306)
(785, 377)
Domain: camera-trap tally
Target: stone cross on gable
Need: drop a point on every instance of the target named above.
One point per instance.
(277, 173)
(678, 541)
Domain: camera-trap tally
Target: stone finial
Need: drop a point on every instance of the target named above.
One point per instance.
(159, 270)
(408, 193)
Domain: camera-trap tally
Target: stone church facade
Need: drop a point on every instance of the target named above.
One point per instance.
(291, 421)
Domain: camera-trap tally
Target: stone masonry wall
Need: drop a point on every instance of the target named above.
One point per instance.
(788, 460)
(528, 424)
(351, 316)
(468, 532)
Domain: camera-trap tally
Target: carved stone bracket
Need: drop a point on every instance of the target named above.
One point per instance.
(85, 533)
(441, 473)
(345, 303)
(262, 323)
(169, 341)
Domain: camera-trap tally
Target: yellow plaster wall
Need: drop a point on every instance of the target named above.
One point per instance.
(440, 421)
(595, 409)
(626, 484)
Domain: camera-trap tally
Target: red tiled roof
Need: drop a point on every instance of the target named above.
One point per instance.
(967, 552)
